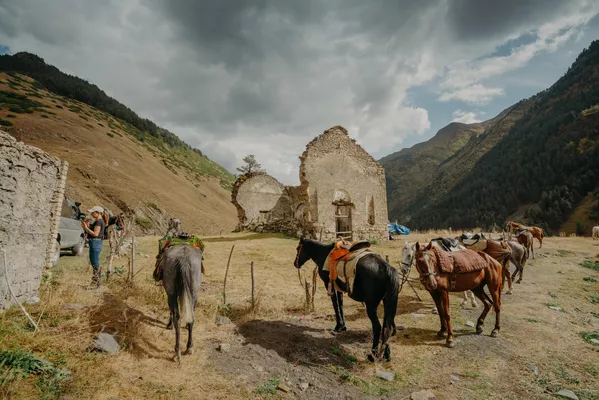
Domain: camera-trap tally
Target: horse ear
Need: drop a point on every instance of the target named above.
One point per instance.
(417, 246)
(430, 245)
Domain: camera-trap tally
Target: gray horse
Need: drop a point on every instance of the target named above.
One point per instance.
(181, 277)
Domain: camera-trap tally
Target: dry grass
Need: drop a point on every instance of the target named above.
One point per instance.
(281, 345)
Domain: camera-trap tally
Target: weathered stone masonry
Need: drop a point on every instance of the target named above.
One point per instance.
(30, 182)
(342, 192)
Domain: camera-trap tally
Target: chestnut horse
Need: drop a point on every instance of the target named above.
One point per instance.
(440, 283)
(525, 239)
(513, 227)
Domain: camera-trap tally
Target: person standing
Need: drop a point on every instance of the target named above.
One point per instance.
(95, 232)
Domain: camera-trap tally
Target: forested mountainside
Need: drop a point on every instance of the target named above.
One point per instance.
(538, 159)
(117, 159)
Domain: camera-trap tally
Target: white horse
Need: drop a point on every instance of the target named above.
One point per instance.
(407, 258)
(596, 232)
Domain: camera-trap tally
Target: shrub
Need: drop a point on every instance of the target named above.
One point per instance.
(59, 106)
(579, 229)
(4, 122)
(45, 116)
(11, 116)
(144, 222)
(373, 241)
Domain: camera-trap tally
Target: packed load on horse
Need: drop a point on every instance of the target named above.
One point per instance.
(341, 263)
(174, 239)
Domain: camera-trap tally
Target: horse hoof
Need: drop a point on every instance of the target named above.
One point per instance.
(189, 351)
(520, 281)
(450, 344)
(441, 334)
(509, 292)
(479, 330)
(474, 305)
(494, 334)
(339, 329)
(371, 358)
(177, 359)
(169, 327)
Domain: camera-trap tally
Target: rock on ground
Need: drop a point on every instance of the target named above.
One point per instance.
(423, 395)
(567, 394)
(107, 343)
(386, 375)
(222, 320)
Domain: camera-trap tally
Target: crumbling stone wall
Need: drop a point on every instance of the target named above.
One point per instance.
(30, 181)
(334, 170)
(260, 198)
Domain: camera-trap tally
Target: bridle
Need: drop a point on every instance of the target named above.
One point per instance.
(424, 276)
(299, 251)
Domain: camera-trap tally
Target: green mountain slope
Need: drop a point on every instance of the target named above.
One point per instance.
(542, 157)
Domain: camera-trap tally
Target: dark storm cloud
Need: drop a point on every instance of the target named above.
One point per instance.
(266, 76)
(475, 20)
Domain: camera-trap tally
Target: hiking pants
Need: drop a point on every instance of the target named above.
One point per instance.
(95, 247)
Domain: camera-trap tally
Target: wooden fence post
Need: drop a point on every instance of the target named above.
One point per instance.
(132, 259)
(253, 286)
(226, 274)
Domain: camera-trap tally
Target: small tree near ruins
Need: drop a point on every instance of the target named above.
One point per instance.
(251, 165)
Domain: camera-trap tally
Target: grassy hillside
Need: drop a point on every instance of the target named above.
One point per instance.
(544, 154)
(115, 163)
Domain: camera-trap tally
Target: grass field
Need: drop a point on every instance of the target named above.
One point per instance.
(539, 350)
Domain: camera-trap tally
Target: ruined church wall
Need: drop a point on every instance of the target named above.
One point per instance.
(262, 192)
(334, 162)
(30, 182)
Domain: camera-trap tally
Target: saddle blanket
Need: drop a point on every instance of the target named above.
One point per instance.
(460, 261)
(346, 270)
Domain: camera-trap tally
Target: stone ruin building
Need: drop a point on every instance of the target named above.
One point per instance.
(342, 192)
(31, 192)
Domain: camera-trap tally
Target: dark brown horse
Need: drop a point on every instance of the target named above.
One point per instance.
(472, 271)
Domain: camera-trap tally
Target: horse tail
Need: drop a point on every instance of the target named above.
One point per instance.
(185, 286)
(391, 297)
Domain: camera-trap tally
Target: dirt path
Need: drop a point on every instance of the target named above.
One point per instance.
(539, 351)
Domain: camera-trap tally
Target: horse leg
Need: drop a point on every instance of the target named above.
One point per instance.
(169, 326)
(473, 299)
(174, 307)
(189, 349)
(465, 301)
(337, 299)
(496, 295)
(390, 308)
(506, 274)
(445, 304)
(480, 293)
(437, 299)
(532, 250)
(376, 329)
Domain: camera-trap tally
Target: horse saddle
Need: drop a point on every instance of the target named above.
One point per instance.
(460, 261)
(476, 242)
(448, 244)
(349, 254)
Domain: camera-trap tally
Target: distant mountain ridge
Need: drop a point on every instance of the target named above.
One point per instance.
(537, 160)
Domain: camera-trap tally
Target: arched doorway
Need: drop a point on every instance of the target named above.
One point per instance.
(343, 215)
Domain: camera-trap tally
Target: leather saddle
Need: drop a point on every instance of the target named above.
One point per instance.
(344, 251)
(448, 244)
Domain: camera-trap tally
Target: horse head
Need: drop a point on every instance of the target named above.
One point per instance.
(425, 264)
(301, 256)
(407, 256)
(120, 221)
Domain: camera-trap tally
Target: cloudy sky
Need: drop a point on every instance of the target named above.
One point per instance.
(266, 78)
